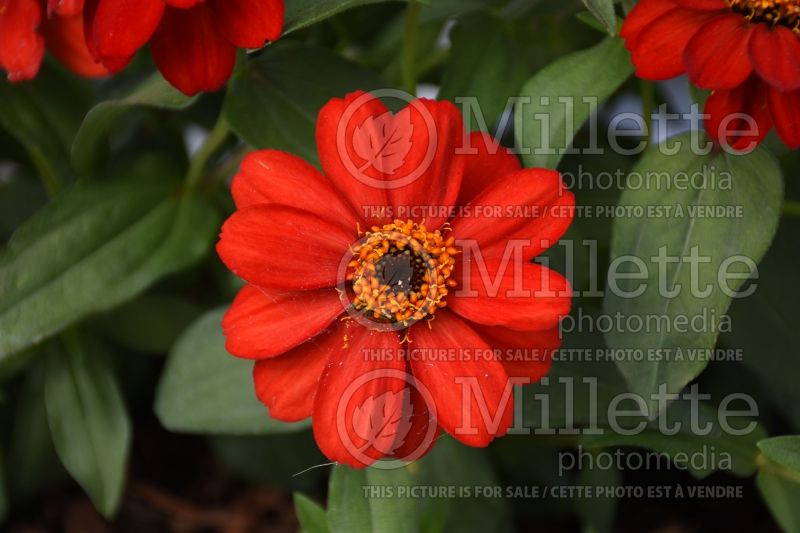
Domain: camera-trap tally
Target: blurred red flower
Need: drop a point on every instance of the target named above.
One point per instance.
(324, 257)
(193, 42)
(27, 27)
(746, 51)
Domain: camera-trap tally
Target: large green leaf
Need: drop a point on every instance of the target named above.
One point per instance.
(303, 13)
(92, 137)
(94, 247)
(676, 289)
(351, 506)
(781, 496)
(274, 101)
(483, 64)
(311, 516)
(206, 390)
(558, 94)
(88, 420)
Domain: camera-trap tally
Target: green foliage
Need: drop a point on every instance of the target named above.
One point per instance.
(680, 288)
(562, 96)
(87, 418)
(274, 101)
(206, 390)
(90, 143)
(94, 247)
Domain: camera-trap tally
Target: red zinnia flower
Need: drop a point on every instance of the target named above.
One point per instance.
(746, 51)
(338, 279)
(25, 33)
(193, 42)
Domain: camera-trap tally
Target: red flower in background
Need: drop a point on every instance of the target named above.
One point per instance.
(27, 27)
(193, 42)
(746, 51)
(332, 276)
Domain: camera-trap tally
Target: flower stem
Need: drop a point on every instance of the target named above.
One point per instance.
(410, 47)
(212, 143)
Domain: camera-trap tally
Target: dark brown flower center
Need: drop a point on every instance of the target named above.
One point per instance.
(772, 12)
(400, 272)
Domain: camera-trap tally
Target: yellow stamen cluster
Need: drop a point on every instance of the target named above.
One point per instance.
(400, 272)
(772, 12)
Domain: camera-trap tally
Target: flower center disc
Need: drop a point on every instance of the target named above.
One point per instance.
(772, 12)
(400, 273)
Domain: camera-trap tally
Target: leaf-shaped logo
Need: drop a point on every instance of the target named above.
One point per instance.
(384, 421)
(384, 141)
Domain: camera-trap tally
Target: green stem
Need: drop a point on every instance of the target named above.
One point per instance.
(410, 47)
(212, 143)
(791, 208)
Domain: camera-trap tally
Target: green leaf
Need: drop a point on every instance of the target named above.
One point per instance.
(91, 140)
(781, 496)
(755, 189)
(558, 91)
(303, 13)
(310, 514)
(94, 247)
(784, 451)
(482, 64)
(603, 10)
(204, 389)
(88, 420)
(352, 507)
(274, 101)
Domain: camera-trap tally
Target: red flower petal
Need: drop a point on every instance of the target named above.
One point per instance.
(437, 132)
(360, 410)
(283, 248)
(717, 56)
(336, 152)
(189, 51)
(490, 164)
(524, 354)
(785, 109)
(702, 5)
(64, 8)
(531, 205)
(657, 52)
(278, 178)
(728, 111)
(21, 46)
(519, 295)
(116, 29)
(469, 366)
(249, 23)
(775, 53)
(183, 4)
(644, 13)
(65, 39)
(288, 384)
(263, 323)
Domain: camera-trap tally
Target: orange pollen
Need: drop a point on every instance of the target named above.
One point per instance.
(772, 12)
(400, 272)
